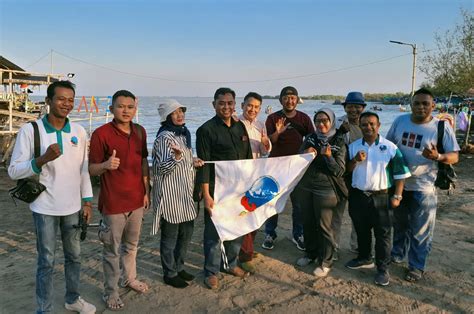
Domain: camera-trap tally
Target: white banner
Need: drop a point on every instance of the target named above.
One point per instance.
(247, 192)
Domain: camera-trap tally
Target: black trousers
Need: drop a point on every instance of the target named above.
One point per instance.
(174, 243)
(372, 212)
(317, 219)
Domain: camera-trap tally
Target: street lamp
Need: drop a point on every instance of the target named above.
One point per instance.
(413, 46)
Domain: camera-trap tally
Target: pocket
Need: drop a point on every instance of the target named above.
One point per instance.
(104, 232)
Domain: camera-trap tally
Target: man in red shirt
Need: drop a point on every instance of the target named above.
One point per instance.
(287, 129)
(118, 152)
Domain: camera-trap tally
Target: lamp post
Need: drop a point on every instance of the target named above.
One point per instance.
(413, 46)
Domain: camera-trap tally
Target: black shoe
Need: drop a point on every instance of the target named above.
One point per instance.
(382, 278)
(176, 282)
(360, 263)
(185, 275)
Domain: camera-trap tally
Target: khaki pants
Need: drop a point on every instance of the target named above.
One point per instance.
(120, 234)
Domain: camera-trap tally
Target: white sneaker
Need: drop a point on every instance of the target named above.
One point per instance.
(304, 261)
(321, 271)
(81, 307)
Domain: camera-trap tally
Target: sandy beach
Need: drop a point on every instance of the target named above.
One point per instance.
(278, 286)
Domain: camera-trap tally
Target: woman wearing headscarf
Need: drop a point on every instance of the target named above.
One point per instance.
(321, 189)
(173, 183)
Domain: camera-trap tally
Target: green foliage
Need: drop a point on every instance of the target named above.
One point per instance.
(450, 67)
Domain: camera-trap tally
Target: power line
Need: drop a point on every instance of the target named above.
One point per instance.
(34, 63)
(231, 82)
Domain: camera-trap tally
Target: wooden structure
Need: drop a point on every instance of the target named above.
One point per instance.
(15, 106)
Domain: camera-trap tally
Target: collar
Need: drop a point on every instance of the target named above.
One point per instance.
(243, 119)
(218, 120)
(377, 140)
(114, 124)
(50, 129)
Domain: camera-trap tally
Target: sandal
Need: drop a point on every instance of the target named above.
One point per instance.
(113, 304)
(414, 275)
(138, 286)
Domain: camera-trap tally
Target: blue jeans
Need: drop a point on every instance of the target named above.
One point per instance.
(296, 215)
(47, 228)
(212, 248)
(413, 227)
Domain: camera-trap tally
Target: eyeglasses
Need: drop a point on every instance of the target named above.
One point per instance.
(323, 121)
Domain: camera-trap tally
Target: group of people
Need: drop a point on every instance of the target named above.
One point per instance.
(383, 181)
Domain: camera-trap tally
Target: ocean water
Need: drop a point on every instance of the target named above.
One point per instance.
(200, 109)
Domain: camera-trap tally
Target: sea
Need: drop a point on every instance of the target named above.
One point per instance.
(200, 109)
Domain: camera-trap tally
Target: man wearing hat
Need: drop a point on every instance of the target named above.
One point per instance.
(287, 129)
(348, 124)
(117, 150)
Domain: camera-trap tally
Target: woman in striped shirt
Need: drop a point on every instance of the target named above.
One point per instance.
(173, 183)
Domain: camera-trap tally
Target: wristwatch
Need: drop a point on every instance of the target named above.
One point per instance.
(397, 197)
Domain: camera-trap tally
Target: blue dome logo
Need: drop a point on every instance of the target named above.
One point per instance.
(263, 190)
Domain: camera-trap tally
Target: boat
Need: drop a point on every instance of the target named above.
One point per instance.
(403, 108)
(376, 108)
(337, 102)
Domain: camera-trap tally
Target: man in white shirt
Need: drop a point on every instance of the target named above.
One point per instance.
(261, 147)
(62, 168)
(378, 171)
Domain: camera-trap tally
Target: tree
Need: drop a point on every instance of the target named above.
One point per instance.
(450, 67)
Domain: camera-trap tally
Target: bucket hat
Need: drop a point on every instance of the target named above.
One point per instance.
(167, 107)
(355, 98)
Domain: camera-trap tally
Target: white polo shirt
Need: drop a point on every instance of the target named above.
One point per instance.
(66, 178)
(383, 164)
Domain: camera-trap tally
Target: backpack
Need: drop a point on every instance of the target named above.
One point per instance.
(446, 177)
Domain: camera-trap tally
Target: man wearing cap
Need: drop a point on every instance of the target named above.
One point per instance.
(261, 147)
(416, 135)
(377, 166)
(349, 125)
(118, 153)
(287, 129)
(220, 138)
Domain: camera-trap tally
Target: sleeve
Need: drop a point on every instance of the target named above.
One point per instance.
(398, 166)
(391, 132)
(337, 162)
(203, 149)
(144, 144)
(86, 186)
(22, 163)
(450, 143)
(309, 125)
(270, 124)
(165, 157)
(309, 141)
(97, 149)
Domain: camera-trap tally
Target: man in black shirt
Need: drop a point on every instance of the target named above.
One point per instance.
(220, 138)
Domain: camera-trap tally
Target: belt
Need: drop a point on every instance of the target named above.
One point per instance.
(369, 193)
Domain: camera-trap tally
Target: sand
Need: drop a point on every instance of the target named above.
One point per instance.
(278, 286)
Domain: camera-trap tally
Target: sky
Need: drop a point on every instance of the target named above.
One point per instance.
(192, 47)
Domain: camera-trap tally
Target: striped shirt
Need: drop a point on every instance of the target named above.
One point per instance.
(173, 181)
